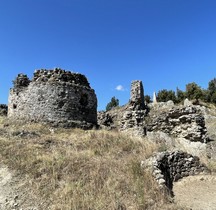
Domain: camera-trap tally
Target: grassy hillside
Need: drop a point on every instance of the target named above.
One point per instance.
(76, 169)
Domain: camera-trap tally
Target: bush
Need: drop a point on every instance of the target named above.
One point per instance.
(147, 99)
(193, 91)
(166, 95)
(212, 91)
(113, 103)
(213, 98)
(180, 95)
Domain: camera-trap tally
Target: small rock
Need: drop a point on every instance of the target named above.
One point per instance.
(161, 181)
(15, 204)
(16, 197)
(187, 102)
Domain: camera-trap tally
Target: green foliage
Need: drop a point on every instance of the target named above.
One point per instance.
(113, 103)
(166, 95)
(147, 99)
(193, 91)
(206, 96)
(180, 95)
(211, 96)
(212, 86)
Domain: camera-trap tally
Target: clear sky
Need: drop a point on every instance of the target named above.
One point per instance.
(164, 43)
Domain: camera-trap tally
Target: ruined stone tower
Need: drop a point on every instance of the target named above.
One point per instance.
(56, 96)
(130, 117)
(137, 95)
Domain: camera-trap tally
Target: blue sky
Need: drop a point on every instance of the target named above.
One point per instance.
(164, 43)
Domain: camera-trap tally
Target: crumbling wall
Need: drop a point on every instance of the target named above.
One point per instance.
(56, 96)
(186, 122)
(137, 95)
(182, 122)
(129, 118)
(169, 167)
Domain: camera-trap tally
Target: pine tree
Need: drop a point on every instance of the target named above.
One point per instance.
(113, 103)
(193, 91)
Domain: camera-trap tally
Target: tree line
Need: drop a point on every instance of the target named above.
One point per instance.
(192, 91)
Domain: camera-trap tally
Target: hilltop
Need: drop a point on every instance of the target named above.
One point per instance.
(57, 152)
(55, 168)
(47, 168)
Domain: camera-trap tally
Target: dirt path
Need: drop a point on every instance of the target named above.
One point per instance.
(7, 197)
(196, 192)
(14, 194)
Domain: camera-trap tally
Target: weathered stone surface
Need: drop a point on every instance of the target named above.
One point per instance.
(154, 98)
(168, 167)
(56, 96)
(167, 124)
(187, 102)
(21, 82)
(210, 122)
(3, 109)
(133, 122)
(107, 119)
(129, 118)
(123, 119)
(181, 122)
(161, 105)
(137, 95)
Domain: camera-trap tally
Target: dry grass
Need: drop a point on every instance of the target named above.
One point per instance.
(81, 170)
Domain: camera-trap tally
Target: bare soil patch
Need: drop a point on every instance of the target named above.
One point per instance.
(196, 192)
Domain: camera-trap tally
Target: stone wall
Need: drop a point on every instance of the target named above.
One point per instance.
(137, 95)
(182, 122)
(129, 118)
(3, 109)
(168, 167)
(56, 96)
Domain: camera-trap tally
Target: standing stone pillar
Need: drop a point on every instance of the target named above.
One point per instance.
(154, 98)
(137, 95)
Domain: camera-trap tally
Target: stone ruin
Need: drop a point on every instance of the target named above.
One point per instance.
(59, 97)
(185, 123)
(139, 118)
(64, 98)
(129, 118)
(137, 96)
(170, 166)
(182, 122)
(168, 125)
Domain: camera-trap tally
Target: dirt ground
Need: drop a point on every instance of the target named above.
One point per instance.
(196, 192)
(14, 194)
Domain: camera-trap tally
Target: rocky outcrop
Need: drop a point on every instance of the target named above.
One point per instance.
(60, 97)
(168, 167)
(3, 109)
(182, 122)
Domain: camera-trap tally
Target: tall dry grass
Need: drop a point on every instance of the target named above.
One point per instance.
(72, 169)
